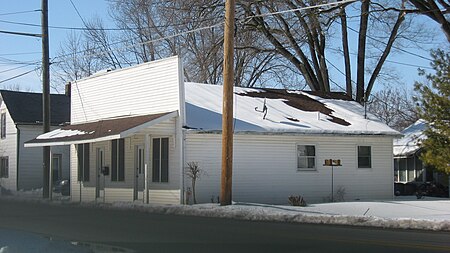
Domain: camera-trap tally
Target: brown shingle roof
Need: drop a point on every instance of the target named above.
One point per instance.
(96, 130)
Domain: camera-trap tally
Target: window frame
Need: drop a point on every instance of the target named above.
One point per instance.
(58, 157)
(3, 125)
(83, 154)
(118, 160)
(358, 156)
(4, 170)
(307, 156)
(159, 170)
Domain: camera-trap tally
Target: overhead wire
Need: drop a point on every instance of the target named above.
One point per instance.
(18, 12)
(17, 76)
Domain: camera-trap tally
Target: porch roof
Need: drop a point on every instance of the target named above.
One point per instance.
(102, 130)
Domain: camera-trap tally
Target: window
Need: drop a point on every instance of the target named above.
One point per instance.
(306, 157)
(83, 162)
(4, 167)
(364, 157)
(3, 125)
(160, 164)
(402, 169)
(118, 160)
(56, 167)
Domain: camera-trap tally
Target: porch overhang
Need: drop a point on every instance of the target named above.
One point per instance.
(102, 130)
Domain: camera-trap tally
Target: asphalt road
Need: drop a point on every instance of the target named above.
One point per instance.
(144, 232)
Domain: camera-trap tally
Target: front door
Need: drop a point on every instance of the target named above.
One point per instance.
(138, 172)
(100, 163)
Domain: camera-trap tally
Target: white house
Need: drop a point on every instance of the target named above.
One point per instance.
(134, 130)
(408, 166)
(21, 121)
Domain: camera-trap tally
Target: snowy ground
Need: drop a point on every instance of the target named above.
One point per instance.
(403, 212)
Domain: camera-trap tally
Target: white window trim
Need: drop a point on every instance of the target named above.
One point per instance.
(296, 157)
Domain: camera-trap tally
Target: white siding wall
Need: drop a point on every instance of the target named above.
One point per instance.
(8, 147)
(144, 89)
(265, 167)
(30, 163)
(163, 193)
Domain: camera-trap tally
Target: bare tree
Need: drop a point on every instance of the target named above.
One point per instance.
(274, 44)
(194, 172)
(394, 106)
(437, 10)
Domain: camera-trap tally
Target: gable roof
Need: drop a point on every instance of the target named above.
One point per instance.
(287, 112)
(413, 136)
(26, 107)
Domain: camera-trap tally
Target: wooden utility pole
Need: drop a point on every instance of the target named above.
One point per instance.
(227, 114)
(45, 97)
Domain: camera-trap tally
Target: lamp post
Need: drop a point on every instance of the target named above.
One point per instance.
(332, 163)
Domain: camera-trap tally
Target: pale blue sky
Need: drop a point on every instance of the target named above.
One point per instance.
(19, 49)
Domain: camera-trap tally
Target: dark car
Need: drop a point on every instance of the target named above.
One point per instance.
(62, 186)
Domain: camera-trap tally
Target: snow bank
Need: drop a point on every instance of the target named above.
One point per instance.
(425, 215)
(405, 213)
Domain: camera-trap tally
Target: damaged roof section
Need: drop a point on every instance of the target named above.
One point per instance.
(279, 111)
(301, 102)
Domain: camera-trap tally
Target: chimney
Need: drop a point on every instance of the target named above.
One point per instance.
(68, 88)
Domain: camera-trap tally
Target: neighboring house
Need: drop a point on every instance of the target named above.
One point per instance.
(21, 121)
(134, 130)
(408, 166)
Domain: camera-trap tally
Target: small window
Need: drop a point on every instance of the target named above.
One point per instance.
(364, 157)
(306, 157)
(56, 167)
(118, 160)
(83, 162)
(4, 167)
(160, 164)
(3, 125)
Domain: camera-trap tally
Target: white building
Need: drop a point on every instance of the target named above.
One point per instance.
(21, 121)
(134, 130)
(408, 166)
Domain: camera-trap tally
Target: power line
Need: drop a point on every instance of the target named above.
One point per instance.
(384, 43)
(18, 12)
(78, 13)
(17, 76)
(197, 29)
(23, 66)
(97, 29)
(391, 61)
(24, 53)
(21, 33)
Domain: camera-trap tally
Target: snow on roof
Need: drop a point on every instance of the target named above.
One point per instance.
(91, 131)
(412, 138)
(287, 111)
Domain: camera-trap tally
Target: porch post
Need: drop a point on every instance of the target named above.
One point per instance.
(50, 176)
(147, 166)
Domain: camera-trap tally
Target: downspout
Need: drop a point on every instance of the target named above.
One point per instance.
(17, 156)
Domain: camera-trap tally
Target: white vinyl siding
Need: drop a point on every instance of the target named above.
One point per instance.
(264, 167)
(8, 148)
(154, 88)
(162, 193)
(30, 164)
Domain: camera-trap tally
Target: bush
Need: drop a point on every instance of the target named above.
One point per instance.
(296, 201)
